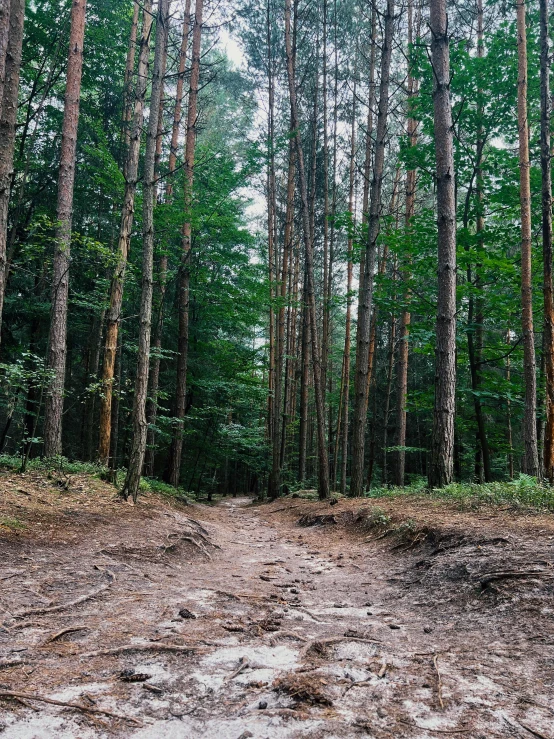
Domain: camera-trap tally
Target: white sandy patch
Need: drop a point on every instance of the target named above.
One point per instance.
(269, 727)
(279, 657)
(48, 727)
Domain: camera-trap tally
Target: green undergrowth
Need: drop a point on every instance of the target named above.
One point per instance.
(523, 492)
(60, 465)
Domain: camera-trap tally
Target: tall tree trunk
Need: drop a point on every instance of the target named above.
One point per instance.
(128, 80)
(152, 404)
(4, 36)
(326, 331)
(319, 390)
(290, 390)
(530, 455)
(176, 450)
(272, 412)
(279, 411)
(8, 118)
(388, 391)
(95, 346)
(53, 409)
(304, 385)
(370, 117)
(274, 407)
(442, 450)
(546, 166)
(366, 279)
(113, 315)
(345, 384)
(476, 332)
(140, 426)
(405, 317)
(509, 414)
(176, 127)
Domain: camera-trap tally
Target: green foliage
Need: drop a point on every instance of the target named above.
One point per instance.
(523, 492)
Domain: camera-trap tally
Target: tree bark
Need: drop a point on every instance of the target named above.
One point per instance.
(365, 304)
(546, 167)
(179, 92)
(57, 349)
(442, 450)
(152, 404)
(176, 451)
(128, 80)
(8, 118)
(113, 315)
(4, 36)
(405, 316)
(279, 411)
(304, 385)
(323, 464)
(140, 426)
(345, 384)
(530, 455)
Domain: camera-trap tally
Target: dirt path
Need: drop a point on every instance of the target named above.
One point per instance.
(295, 631)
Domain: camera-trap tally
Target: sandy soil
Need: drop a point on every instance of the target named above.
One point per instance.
(294, 619)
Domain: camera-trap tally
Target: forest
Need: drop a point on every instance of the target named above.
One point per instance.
(276, 304)
(322, 263)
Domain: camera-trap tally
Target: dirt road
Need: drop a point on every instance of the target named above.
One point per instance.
(248, 624)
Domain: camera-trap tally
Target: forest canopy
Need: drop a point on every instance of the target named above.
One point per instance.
(263, 247)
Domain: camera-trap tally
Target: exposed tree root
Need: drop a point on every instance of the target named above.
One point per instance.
(156, 647)
(64, 606)
(67, 704)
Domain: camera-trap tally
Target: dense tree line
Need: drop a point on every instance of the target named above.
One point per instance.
(329, 265)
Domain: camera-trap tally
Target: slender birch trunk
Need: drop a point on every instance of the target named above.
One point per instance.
(57, 349)
(441, 465)
(140, 426)
(113, 315)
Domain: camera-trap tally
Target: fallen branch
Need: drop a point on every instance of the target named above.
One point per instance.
(439, 679)
(61, 633)
(156, 647)
(243, 666)
(534, 732)
(485, 580)
(284, 508)
(289, 634)
(63, 606)
(66, 704)
(6, 662)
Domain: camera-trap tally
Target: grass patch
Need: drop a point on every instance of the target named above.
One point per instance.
(524, 492)
(13, 524)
